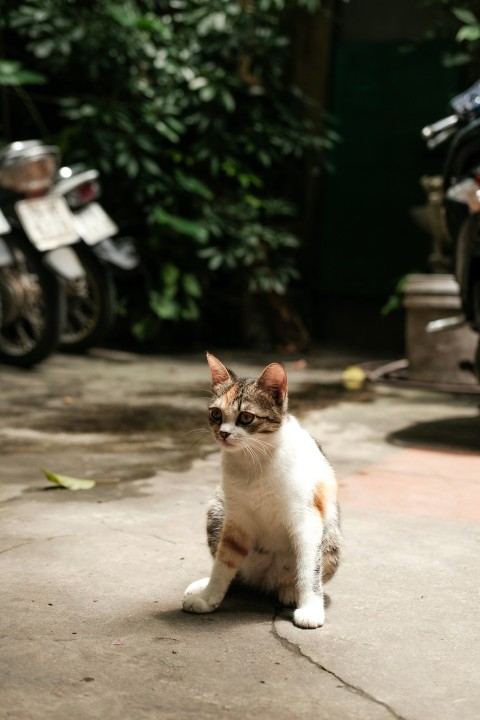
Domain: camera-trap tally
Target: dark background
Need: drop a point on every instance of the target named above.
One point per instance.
(384, 81)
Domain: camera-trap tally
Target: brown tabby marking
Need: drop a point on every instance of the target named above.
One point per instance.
(229, 396)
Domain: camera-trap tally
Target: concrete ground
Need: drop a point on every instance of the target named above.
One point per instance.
(91, 582)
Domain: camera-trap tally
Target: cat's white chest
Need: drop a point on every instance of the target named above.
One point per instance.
(267, 513)
(260, 500)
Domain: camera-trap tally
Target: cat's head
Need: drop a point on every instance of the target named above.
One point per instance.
(246, 410)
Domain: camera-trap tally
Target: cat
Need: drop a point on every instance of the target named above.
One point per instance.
(274, 522)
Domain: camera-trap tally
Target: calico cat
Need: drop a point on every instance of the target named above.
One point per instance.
(274, 523)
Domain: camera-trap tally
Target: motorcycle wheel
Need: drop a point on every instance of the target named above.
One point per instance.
(90, 304)
(32, 304)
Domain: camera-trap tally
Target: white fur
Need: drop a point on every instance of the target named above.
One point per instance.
(269, 482)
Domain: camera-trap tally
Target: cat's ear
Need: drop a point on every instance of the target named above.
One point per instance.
(220, 374)
(274, 380)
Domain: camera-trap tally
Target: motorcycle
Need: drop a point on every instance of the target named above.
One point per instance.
(35, 257)
(66, 198)
(91, 306)
(461, 203)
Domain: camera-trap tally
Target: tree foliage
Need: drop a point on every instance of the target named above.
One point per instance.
(188, 109)
(460, 18)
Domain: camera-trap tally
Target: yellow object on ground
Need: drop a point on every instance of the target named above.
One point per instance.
(353, 378)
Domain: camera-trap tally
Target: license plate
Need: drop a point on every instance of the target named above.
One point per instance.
(4, 224)
(48, 222)
(93, 224)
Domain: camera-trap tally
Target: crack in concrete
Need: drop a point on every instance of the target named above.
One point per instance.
(163, 539)
(14, 547)
(131, 532)
(295, 649)
(30, 541)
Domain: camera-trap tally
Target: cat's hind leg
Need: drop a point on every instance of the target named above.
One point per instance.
(286, 581)
(287, 595)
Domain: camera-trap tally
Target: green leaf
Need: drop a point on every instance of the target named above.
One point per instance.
(151, 166)
(191, 285)
(12, 73)
(190, 311)
(174, 124)
(164, 307)
(192, 228)
(207, 93)
(215, 262)
(455, 59)
(170, 275)
(464, 15)
(69, 482)
(45, 49)
(228, 100)
(253, 201)
(167, 132)
(471, 33)
(193, 185)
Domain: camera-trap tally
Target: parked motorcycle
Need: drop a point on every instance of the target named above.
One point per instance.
(91, 305)
(35, 257)
(461, 185)
(56, 217)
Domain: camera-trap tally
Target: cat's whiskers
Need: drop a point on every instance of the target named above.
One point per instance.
(201, 434)
(262, 446)
(210, 394)
(255, 451)
(247, 450)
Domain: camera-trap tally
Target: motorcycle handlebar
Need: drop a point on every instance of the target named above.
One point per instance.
(466, 107)
(446, 123)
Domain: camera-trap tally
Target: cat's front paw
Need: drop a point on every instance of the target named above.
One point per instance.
(311, 615)
(197, 586)
(198, 604)
(195, 599)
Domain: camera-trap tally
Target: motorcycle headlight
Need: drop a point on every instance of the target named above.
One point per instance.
(28, 166)
(29, 176)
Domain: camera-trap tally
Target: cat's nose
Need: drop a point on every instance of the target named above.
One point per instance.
(224, 434)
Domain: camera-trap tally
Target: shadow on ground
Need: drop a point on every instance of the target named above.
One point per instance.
(458, 433)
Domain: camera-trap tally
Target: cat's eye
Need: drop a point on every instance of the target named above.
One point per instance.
(245, 418)
(216, 415)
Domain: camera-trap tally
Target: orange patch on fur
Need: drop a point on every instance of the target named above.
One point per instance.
(229, 563)
(230, 395)
(233, 545)
(231, 549)
(319, 499)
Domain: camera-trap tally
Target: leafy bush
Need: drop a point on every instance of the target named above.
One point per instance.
(187, 108)
(461, 19)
